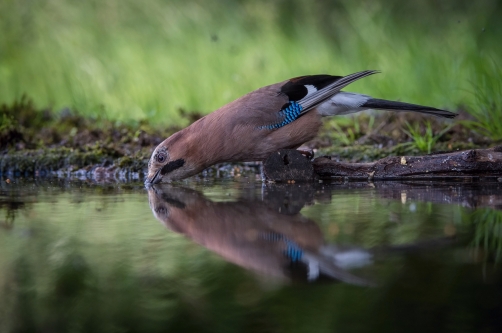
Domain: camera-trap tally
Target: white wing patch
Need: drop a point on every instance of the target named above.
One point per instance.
(310, 89)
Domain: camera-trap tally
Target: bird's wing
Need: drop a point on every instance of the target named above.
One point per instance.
(272, 107)
(310, 91)
(306, 92)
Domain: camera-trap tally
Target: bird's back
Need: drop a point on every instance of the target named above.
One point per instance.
(238, 131)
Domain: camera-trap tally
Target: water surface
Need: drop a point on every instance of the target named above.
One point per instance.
(242, 256)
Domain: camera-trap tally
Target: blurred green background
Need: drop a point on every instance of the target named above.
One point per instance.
(134, 60)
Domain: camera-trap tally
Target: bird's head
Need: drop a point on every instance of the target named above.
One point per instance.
(168, 162)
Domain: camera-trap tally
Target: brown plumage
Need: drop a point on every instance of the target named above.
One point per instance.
(279, 116)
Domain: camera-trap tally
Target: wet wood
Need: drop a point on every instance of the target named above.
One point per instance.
(468, 163)
(289, 166)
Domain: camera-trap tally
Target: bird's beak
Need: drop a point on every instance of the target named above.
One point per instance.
(169, 167)
(153, 180)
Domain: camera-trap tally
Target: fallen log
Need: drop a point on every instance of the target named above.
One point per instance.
(289, 165)
(468, 163)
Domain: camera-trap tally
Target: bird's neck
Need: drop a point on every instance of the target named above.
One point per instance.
(205, 144)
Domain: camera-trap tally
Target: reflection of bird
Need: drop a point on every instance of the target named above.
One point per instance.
(279, 116)
(255, 236)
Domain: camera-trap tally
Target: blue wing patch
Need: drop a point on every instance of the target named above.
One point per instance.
(289, 113)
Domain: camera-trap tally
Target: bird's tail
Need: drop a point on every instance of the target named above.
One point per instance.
(382, 104)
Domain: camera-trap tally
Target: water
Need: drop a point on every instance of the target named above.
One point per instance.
(240, 256)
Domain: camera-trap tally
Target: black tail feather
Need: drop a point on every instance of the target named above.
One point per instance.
(382, 104)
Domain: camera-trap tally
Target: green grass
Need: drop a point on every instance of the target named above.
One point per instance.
(423, 137)
(487, 105)
(130, 60)
(346, 130)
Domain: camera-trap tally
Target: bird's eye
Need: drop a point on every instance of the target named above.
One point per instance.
(161, 157)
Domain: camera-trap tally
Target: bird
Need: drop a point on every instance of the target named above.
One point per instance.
(283, 115)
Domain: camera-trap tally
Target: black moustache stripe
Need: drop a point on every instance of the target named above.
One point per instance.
(171, 166)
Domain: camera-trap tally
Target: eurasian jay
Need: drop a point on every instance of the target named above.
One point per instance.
(280, 116)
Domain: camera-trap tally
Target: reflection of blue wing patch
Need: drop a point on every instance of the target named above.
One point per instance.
(292, 251)
(289, 113)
